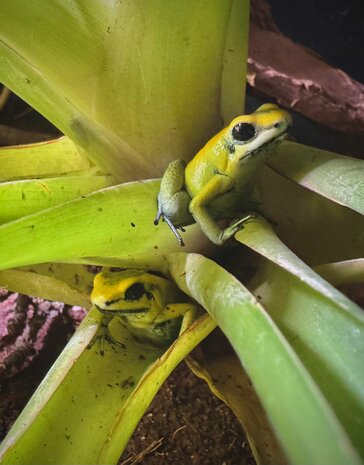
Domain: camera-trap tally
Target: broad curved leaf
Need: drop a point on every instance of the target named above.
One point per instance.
(115, 222)
(46, 287)
(336, 177)
(132, 83)
(21, 198)
(315, 228)
(304, 423)
(88, 405)
(349, 271)
(54, 157)
(325, 328)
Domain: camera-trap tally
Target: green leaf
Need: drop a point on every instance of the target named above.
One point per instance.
(21, 198)
(346, 272)
(59, 156)
(38, 285)
(92, 399)
(149, 385)
(324, 327)
(333, 176)
(115, 222)
(79, 277)
(304, 423)
(315, 228)
(132, 84)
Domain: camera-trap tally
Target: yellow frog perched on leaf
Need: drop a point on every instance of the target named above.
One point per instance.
(216, 182)
(147, 303)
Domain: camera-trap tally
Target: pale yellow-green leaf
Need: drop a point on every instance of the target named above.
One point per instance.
(79, 277)
(148, 386)
(16, 445)
(21, 198)
(337, 177)
(93, 397)
(346, 272)
(54, 157)
(325, 328)
(115, 222)
(136, 84)
(315, 228)
(304, 422)
(42, 286)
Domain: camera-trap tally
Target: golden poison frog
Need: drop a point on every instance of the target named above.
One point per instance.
(146, 302)
(216, 183)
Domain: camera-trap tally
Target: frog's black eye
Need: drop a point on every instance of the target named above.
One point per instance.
(134, 292)
(243, 132)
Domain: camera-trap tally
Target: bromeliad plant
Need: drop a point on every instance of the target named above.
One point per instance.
(134, 85)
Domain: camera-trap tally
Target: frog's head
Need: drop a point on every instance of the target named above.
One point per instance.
(249, 135)
(130, 292)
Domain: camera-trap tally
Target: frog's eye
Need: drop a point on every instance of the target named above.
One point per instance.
(242, 132)
(134, 292)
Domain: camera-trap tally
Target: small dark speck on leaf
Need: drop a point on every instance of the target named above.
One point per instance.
(133, 225)
(156, 247)
(22, 195)
(141, 357)
(128, 382)
(67, 436)
(100, 209)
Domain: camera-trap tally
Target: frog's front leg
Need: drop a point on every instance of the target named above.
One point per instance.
(219, 184)
(187, 310)
(173, 199)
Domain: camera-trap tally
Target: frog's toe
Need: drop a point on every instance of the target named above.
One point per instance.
(239, 223)
(236, 226)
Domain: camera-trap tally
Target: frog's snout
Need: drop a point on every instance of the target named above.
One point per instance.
(283, 122)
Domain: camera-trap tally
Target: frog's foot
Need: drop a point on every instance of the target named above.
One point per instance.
(173, 228)
(174, 211)
(236, 226)
(101, 336)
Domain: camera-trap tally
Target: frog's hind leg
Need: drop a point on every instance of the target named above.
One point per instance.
(173, 199)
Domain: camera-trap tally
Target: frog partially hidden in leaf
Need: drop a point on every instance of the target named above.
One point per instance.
(148, 304)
